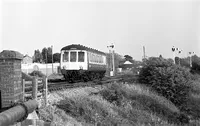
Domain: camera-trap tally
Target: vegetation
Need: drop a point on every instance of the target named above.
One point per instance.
(163, 94)
(46, 56)
(26, 77)
(167, 79)
(37, 73)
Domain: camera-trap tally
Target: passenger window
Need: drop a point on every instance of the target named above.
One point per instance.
(80, 56)
(72, 56)
(66, 57)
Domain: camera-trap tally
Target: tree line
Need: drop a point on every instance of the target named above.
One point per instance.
(192, 62)
(45, 56)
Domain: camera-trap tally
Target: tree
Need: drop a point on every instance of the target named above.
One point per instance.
(44, 54)
(56, 57)
(37, 56)
(47, 53)
(195, 64)
(128, 58)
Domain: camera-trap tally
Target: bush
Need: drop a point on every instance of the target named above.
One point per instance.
(37, 73)
(26, 77)
(141, 98)
(169, 80)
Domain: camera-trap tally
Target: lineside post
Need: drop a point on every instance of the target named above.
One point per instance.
(23, 90)
(35, 88)
(45, 85)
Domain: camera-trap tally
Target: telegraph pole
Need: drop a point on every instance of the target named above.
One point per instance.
(179, 52)
(46, 62)
(52, 57)
(173, 51)
(144, 53)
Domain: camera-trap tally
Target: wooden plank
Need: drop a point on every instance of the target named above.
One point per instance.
(30, 94)
(28, 82)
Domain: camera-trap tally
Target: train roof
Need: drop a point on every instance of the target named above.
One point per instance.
(81, 47)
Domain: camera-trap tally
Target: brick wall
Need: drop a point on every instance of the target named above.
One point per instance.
(10, 77)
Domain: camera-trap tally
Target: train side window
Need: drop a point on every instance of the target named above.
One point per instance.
(81, 56)
(72, 56)
(97, 58)
(66, 57)
(100, 59)
(92, 57)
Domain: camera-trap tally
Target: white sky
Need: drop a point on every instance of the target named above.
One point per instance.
(27, 25)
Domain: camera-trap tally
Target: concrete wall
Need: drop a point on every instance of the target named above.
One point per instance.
(44, 68)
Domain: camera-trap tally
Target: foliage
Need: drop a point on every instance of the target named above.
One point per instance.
(37, 73)
(56, 57)
(128, 58)
(47, 55)
(143, 99)
(26, 77)
(115, 104)
(186, 63)
(195, 64)
(37, 56)
(171, 81)
(193, 106)
(117, 59)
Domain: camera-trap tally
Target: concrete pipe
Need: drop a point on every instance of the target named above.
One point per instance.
(17, 113)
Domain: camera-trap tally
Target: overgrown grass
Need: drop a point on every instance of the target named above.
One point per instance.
(134, 106)
(143, 99)
(115, 105)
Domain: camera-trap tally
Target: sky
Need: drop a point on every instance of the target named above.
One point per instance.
(27, 25)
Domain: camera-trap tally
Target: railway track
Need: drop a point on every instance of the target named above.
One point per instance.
(55, 86)
(59, 84)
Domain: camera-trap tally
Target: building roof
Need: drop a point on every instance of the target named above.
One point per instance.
(81, 47)
(127, 62)
(27, 56)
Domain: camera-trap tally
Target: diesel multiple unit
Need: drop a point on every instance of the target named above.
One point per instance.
(82, 63)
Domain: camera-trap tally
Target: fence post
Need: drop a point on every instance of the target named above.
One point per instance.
(23, 90)
(34, 88)
(45, 85)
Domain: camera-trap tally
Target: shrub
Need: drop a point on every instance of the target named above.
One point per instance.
(171, 81)
(26, 77)
(37, 73)
(142, 99)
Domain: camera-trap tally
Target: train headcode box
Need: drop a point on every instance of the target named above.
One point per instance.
(10, 78)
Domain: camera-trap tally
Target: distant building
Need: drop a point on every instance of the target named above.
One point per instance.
(27, 59)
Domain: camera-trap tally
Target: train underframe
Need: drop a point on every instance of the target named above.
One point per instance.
(82, 75)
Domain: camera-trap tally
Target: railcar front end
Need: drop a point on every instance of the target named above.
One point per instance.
(82, 63)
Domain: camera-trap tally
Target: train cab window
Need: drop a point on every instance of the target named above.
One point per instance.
(66, 57)
(72, 56)
(81, 56)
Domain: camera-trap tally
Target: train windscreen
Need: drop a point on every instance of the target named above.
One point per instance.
(72, 56)
(81, 56)
(66, 57)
